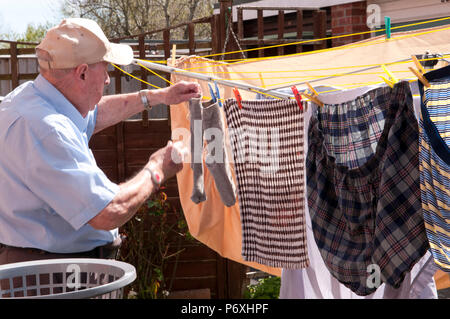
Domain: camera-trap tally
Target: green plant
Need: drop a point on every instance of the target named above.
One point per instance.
(266, 288)
(153, 237)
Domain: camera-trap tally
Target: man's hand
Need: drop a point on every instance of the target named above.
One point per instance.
(168, 160)
(181, 92)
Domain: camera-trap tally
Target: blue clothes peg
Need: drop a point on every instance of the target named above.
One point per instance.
(218, 94)
(213, 95)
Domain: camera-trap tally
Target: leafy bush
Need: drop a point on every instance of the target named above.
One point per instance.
(266, 288)
(154, 236)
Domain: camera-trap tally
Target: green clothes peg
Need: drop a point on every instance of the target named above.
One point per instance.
(387, 24)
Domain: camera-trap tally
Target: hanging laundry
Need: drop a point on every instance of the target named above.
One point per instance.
(363, 188)
(206, 122)
(315, 281)
(434, 161)
(268, 150)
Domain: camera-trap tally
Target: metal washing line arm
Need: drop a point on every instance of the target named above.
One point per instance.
(198, 76)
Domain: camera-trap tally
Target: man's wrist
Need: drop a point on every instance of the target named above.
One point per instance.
(155, 177)
(143, 95)
(153, 97)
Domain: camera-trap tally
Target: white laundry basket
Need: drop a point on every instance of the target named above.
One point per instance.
(74, 278)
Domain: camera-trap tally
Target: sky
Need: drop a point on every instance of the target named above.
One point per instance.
(15, 15)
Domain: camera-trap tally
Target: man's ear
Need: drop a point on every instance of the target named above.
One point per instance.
(81, 71)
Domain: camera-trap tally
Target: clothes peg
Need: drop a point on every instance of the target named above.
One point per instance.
(263, 85)
(238, 97)
(313, 92)
(419, 71)
(391, 80)
(213, 95)
(313, 96)
(419, 66)
(218, 94)
(387, 24)
(297, 97)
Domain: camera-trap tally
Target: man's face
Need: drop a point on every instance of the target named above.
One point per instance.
(97, 79)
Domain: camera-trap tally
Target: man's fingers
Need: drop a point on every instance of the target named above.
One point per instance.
(179, 152)
(190, 87)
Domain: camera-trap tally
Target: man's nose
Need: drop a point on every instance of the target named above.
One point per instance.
(107, 80)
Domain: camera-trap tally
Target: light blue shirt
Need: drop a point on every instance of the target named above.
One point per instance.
(50, 184)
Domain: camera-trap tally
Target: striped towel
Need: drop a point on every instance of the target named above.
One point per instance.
(434, 159)
(267, 141)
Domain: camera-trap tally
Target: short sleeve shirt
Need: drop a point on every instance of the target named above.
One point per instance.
(50, 184)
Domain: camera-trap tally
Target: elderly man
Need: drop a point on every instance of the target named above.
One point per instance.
(55, 201)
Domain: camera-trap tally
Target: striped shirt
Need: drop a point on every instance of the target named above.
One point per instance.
(434, 142)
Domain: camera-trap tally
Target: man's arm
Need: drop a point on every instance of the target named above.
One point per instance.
(115, 108)
(165, 162)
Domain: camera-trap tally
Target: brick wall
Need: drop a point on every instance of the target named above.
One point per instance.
(349, 18)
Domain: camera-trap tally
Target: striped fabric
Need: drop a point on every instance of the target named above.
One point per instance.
(268, 151)
(434, 143)
(364, 189)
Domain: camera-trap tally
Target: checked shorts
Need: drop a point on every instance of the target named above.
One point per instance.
(364, 190)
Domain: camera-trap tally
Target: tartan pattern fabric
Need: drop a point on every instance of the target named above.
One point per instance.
(267, 142)
(365, 207)
(352, 136)
(434, 163)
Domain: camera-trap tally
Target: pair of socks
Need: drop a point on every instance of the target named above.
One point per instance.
(206, 124)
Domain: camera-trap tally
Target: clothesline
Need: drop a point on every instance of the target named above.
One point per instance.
(314, 40)
(356, 45)
(319, 69)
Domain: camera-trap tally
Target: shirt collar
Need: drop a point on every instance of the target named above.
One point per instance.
(61, 104)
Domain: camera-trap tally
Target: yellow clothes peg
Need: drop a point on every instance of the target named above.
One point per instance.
(313, 96)
(391, 80)
(419, 72)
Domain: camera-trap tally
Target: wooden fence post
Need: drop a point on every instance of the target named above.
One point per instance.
(320, 28)
(217, 36)
(166, 39)
(141, 45)
(240, 21)
(299, 29)
(260, 32)
(191, 31)
(281, 30)
(14, 65)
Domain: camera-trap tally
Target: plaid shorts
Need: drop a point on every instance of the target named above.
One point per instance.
(434, 161)
(363, 188)
(267, 141)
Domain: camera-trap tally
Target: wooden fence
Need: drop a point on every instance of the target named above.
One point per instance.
(290, 25)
